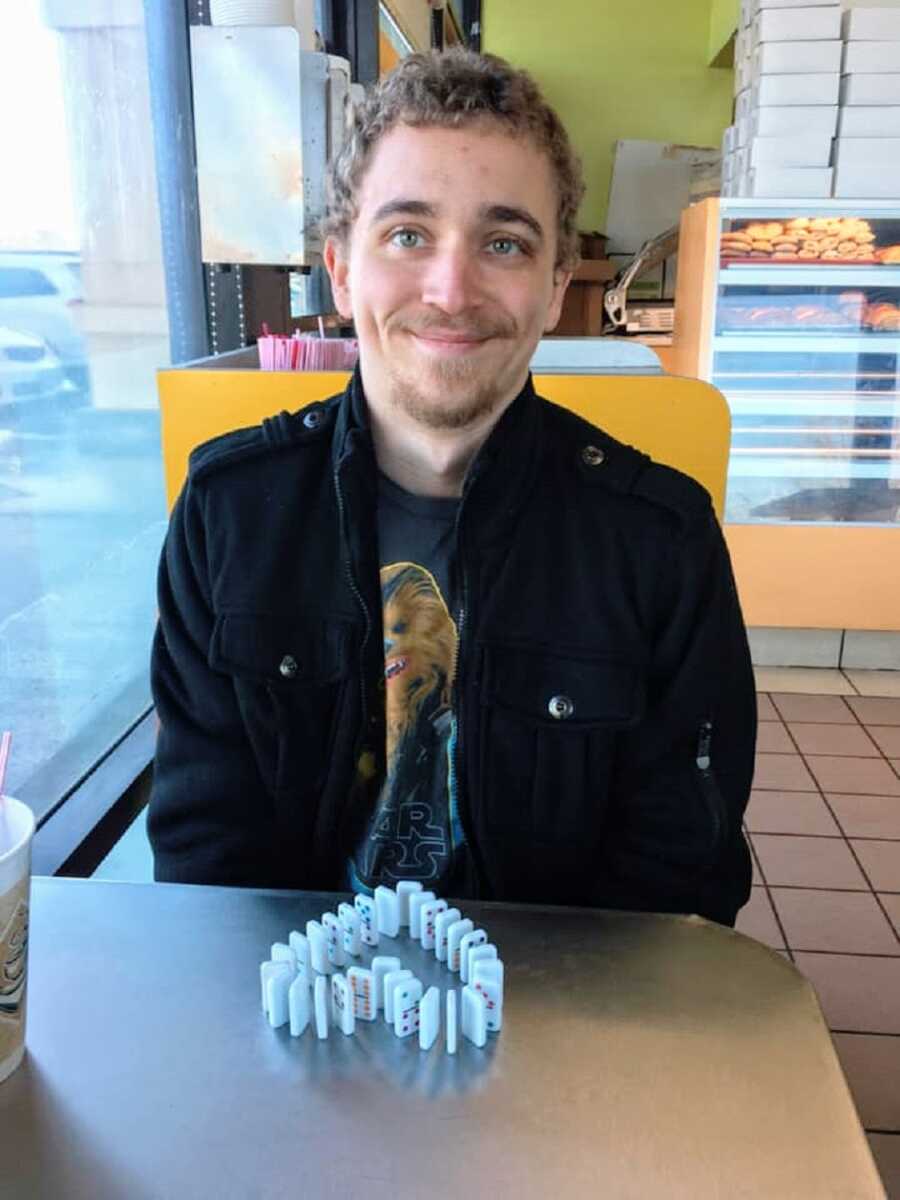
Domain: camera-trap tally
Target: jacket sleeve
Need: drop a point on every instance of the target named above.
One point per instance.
(210, 818)
(682, 775)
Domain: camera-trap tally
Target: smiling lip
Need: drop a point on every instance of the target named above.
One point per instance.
(449, 343)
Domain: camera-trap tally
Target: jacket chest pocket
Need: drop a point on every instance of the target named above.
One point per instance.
(549, 724)
(290, 679)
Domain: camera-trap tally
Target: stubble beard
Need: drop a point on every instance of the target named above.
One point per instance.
(448, 396)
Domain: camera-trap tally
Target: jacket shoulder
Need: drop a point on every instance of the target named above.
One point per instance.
(625, 470)
(274, 435)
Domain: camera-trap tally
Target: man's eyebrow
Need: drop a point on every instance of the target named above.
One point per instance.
(511, 214)
(403, 207)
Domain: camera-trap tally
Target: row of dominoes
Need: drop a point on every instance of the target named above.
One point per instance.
(327, 944)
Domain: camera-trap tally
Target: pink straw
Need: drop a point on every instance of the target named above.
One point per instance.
(5, 743)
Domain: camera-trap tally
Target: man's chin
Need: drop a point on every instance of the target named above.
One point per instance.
(436, 400)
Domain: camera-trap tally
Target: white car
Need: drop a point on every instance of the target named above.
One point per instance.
(32, 379)
(40, 294)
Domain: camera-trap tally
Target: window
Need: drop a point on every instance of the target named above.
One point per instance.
(83, 327)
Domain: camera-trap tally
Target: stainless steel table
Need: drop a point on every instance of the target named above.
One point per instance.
(642, 1058)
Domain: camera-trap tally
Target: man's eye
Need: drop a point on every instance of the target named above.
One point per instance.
(506, 247)
(406, 239)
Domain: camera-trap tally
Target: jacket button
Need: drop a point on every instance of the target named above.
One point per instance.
(561, 707)
(313, 419)
(592, 456)
(288, 666)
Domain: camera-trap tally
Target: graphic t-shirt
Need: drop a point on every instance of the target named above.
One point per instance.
(414, 830)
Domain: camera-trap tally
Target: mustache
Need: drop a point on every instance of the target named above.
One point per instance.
(474, 328)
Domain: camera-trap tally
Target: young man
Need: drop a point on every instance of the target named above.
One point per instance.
(437, 628)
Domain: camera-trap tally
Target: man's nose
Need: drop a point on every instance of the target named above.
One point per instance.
(451, 280)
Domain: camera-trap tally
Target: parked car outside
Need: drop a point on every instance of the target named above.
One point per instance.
(40, 293)
(33, 383)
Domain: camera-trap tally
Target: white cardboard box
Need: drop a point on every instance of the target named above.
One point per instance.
(790, 151)
(760, 4)
(742, 104)
(871, 89)
(872, 25)
(793, 119)
(875, 57)
(790, 183)
(862, 121)
(867, 183)
(867, 152)
(816, 24)
(729, 139)
(742, 134)
(798, 58)
(795, 89)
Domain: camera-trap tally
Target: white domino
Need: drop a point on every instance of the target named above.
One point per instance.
(381, 965)
(351, 928)
(342, 1005)
(407, 998)
(387, 911)
(442, 923)
(320, 1006)
(391, 982)
(429, 1018)
(406, 889)
(452, 1021)
(362, 990)
(474, 1016)
(487, 980)
(478, 937)
(430, 912)
(318, 948)
(266, 972)
(334, 939)
(455, 935)
(281, 952)
(299, 943)
(365, 906)
(483, 953)
(299, 1008)
(277, 990)
(416, 901)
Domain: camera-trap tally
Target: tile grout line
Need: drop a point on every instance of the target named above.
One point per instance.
(864, 873)
(772, 905)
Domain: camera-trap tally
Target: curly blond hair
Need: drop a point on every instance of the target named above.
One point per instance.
(455, 88)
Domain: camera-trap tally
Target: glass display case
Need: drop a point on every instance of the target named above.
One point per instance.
(806, 348)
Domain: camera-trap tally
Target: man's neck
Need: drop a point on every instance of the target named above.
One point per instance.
(424, 461)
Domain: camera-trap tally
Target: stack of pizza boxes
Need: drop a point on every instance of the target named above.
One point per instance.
(867, 150)
(787, 85)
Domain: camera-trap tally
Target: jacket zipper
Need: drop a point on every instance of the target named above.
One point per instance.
(709, 786)
(348, 571)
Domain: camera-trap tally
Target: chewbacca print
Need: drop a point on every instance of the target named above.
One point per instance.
(414, 829)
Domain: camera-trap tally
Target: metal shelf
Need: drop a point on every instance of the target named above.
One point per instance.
(787, 275)
(818, 342)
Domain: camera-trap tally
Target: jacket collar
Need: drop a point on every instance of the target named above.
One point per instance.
(501, 473)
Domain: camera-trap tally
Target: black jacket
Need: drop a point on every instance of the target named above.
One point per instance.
(596, 586)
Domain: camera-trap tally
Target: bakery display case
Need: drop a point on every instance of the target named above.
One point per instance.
(792, 309)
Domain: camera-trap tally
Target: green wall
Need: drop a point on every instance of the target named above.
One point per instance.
(616, 69)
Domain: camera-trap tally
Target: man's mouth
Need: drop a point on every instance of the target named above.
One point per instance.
(395, 666)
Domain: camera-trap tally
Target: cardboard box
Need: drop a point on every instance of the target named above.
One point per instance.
(798, 58)
(742, 136)
(870, 89)
(796, 119)
(872, 25)
(817, 24)
(795, 89)
(729, 140)
(867, 152)
(762, 4)
(742, 104)
(862, 121)
(790, 151)
(867, 183)
(877, 58)
(790, 183)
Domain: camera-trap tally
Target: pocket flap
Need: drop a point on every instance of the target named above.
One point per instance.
(304, 650)
(565, 690)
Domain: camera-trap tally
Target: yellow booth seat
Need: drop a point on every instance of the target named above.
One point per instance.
(681, 422)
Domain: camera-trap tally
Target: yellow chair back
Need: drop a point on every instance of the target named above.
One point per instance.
(680, 422)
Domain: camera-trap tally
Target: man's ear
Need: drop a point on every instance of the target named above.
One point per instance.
(560, 283)
(337, 264)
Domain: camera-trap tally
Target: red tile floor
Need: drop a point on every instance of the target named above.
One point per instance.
(824, 826)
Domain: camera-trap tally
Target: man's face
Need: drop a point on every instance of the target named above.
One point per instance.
(449, 275)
